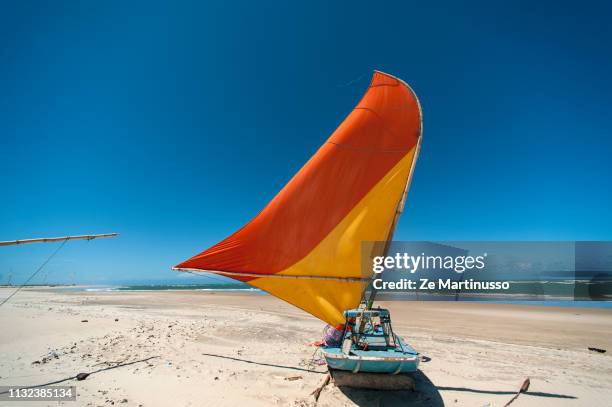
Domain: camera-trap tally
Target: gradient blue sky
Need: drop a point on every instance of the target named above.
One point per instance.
(174, 123)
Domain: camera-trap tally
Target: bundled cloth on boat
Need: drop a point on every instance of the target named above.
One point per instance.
(332, 336)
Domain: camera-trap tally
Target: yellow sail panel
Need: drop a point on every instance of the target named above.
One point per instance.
(340, 253)
(324, 299)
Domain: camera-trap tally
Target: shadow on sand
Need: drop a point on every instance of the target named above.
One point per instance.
(426, 394)
(528, 393)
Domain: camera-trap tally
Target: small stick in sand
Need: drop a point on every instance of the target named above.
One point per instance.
(523, 389)
(317, 392)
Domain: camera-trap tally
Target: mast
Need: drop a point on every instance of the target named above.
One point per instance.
(56, 239)
(402, 201)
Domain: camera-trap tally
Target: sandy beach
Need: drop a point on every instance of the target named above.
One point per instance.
(226, 349)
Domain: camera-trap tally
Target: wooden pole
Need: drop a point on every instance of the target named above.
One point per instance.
(400, 206)
(258, 275)
(57, 239)
(398, 212)
(64, 240)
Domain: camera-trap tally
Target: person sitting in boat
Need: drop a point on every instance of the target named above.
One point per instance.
(333, 336)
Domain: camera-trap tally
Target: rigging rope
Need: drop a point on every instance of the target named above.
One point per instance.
(34, 274)
(211, 276)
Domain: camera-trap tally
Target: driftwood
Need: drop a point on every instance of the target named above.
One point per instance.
(317, 392)
(376, 381)
(523, 389)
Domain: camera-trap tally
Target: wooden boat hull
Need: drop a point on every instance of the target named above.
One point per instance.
(374, 381)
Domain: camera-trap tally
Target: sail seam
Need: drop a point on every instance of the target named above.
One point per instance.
(368, 150)
(384, 84)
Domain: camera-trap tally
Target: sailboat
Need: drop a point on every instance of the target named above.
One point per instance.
(308, 246)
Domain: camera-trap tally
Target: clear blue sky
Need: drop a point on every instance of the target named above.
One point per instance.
(174, 124)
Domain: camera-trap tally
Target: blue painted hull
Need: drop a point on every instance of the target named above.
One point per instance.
(393, 361)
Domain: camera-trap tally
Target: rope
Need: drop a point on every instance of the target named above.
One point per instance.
(352, 81)
(83, 376)
(209, 275)
(34, 274)
(314, 361)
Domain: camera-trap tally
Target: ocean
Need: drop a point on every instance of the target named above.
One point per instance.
(594, 293)
(552, 298)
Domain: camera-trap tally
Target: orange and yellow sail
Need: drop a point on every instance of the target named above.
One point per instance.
(305, 245)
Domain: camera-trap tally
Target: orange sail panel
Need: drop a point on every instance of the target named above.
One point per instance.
(305, 245)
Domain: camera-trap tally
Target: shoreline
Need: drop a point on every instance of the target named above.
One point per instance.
(505, 299)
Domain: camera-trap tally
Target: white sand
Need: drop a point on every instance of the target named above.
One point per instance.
(479, 353)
